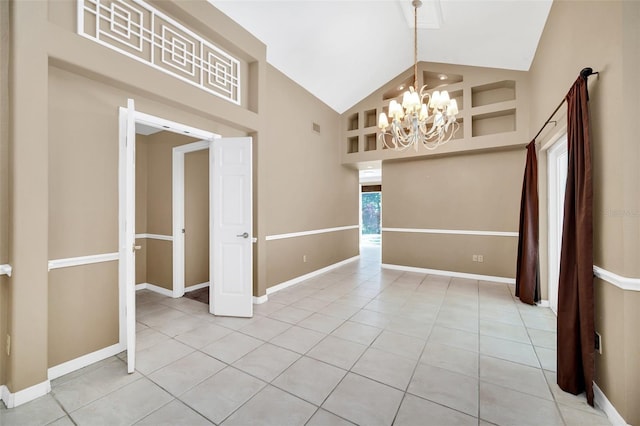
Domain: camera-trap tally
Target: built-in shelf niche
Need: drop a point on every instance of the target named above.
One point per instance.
(352, 145)
(460, 133)
(398, 90)
(457, 95)
(370, 118)
(493, 123)
(370, 142)
(493, 93)
(353, 121)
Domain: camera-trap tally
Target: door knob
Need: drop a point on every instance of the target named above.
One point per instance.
(243, 235)
(135, 247)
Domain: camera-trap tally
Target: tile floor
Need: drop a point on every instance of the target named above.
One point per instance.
(358, 345)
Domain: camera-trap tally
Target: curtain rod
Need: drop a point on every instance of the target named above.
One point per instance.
(586, 72)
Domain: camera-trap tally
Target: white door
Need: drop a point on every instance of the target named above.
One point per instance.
(557, 163)
(231, 271)
(127, 250)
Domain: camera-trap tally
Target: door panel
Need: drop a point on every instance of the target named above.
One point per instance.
(128, 251)
(231, 228)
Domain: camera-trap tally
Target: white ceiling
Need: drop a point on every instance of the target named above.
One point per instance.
(342, 50)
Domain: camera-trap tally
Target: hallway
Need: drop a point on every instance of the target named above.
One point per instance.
(357, 345)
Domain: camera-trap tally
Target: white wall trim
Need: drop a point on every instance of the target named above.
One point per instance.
(156, 289)
(450, 273)
(313, 232)
(80, 362)
(196, 287)
(6, 270)
(12, 400)
(631, 284)
(83, 260)
(260, 300)
(304, 277)
(155, 237)
(605, 405)
(452, 232)
(544, 304)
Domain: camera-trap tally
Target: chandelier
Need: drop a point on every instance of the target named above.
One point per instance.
(422, 118)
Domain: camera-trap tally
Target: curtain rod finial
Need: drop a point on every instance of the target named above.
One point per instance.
(586, 72)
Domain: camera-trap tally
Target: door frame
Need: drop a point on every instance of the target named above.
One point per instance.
(556, 150)
(123, 217)
(178, 208)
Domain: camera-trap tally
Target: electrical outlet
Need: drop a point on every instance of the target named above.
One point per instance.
(475, 257)
(480, 258)
(598, 343)
(8, 345)
(304, 258)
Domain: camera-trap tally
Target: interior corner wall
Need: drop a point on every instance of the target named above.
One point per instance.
(4, 175)
(603, 35)
(467, 192)
(306, 186)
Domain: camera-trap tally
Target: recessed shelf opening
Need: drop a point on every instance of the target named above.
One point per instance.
(370, 118)
(493, 93)
(370, 143)
(437, 80)
(353, 122)
(352, 145)
(493, 123)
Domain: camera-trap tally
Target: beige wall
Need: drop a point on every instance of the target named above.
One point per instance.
(141, 207)
(603, 35)
(63, 181)
(306, 186)
(475, 192)
(4, 175)
(196, 216)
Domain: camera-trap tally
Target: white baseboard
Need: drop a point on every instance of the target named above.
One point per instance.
(12, 400)
(450, 273)
(605, 405)
(196, 287)
(88, 359)
(260, 300)
(157, 289)
(544, 304)
(304, 277)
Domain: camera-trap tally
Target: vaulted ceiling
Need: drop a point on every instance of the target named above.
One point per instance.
(342, 50)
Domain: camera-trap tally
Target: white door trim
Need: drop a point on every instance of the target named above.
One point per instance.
(126, 168)
(178, 210)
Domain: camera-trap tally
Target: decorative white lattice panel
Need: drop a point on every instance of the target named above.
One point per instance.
(136, 29)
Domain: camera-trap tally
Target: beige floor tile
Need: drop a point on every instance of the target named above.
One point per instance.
(157, 356)
(547, 357)
(203, 335)
(456, 338)
(149, 337)
(93, 384)
(185, 373)
(356, 332)
(266, 308)
(298, 339)
(62, 421)
(458, 320)
(338, 352)
(417, 411)
(184, 324)
(265, 328)
(232, 347)
(543, 339)
(419, 328)
(445, 387)
(451, 358)
(173, 414)
(161, 316)
(363, 401)
(390, 369)
(575, 417)
(565, 398)
(220, 395)
(372, 318)
(325, 418)
(321, 323)
(509, 350)
(399, 344)
(40, 411)
(508, 407)
(340, 310)
(310, 379)
(290, 314)
(310, 304)
(125, 406)
(266, 362)
(514, 376)
(504, 331)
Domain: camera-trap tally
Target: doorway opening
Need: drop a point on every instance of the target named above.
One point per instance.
(371, 215)
(230, 220)
(557, 163)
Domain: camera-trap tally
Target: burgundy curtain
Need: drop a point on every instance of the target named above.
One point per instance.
(527, 268)
(575, 286)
